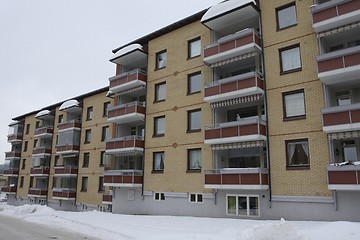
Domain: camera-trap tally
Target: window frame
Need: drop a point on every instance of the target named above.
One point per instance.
(300, 166)
(157, 55)
(25, 146)
(27, 129)
(89, 113)
(287, 48)
(86, 160)
(189, 112)
(297, 117)
(196, 195)
(87, 137)
(190, 42)
(189, 76)
(159, 196)
(83, 187)
(247, 208)
(193, 170)
(106, 106)
(156, 119)
(102, 158)
(23, 164)
(22, 179)
(161, 170)
(156, 95)
(279, 9)
(105, 136)
(101, 187)
(60, 118)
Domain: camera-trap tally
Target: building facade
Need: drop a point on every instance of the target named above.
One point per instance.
(248, 109)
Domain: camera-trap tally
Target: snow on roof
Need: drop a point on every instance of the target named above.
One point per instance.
(42, 113)
(224, 7)
(126, 50)
(69, 104)
(13, 123)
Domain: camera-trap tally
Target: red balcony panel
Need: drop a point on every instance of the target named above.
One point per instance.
(263, 130)
(212, 178)
(229, 132)
(125, 143)
(227, 46)
(123, 179)
(228, 87)
(39, 171)
(330, 64)
(41, 150)
(264, 179)
(212, 133)
(8, 189)
(11, 172)
(355, 116)
(69, 124)
(126, 110)
(107, 198)
(14, 137)
(211, 51)
(324, 14)
(352, 60)
(65, 148)
(249, 129)
(107, 179)
(66, 171)
(125, 78)
(231, 179)
(44, 130)
(250, 179)
(210, 91)
(65, 194)
(342, 177)
(127, 179)
(336, 118)
(37, 192)
(349, 7)
(245, 40)
(12, 154)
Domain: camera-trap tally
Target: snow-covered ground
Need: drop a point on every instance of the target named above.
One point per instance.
(115, 226)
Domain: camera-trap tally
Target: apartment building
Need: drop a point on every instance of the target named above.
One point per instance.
(57, 154)
(248, 109)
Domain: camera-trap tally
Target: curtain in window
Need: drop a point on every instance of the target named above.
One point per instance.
(195, 159)
(294, 105)
(291, 152)
(159, 161)
(290, 59)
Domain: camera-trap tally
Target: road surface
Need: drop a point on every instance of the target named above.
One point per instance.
(14, 229)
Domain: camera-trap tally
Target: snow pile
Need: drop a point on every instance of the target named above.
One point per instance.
(115, 226)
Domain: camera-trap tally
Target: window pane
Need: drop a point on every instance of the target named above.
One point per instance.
(231, 205)
(242, 206)
(199, 197)
(294, 105)
(160, 92)
(192, 197)
(254, 206)
(194, 83)
(298, 153)
(159, 126)
(195, 159)
(287, 17)
(161, 60)
(194, 48)
(290, 59)
(195, 120)
(159, 161)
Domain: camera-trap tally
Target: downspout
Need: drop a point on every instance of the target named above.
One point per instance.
(143, 159)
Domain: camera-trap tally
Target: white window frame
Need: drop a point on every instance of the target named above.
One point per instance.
(194, 47)
(196, 197)
(280, 14)
(161, 59)
(288, 110)
(248, 205)
(161, 196)
(290, 58)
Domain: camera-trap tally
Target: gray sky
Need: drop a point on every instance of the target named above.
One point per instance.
(52, 50)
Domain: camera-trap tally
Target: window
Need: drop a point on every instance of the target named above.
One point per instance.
(297, 154)
(56, 162)
(35, 142)
(161, 59)
(286, 16)
(194, 83)
(290, 59)
(158, 161)
(105, 108)
(84, 184)
(343, 98)
(294, 105)
(348, 150)
(160, 91)
(194, 159)
(37, 124)
(194, 47)
(23, 165)
(21, 182)
(159, 196)
(27, 130)
(242, 205)
(195, 198)
(89, 113)
(86, 160)
(87, 135)
(194, 120)
(105, 133)
(31, 184)
(159, 126)
(102, 158)
(61, 118)
(101, 184)
(25, 146)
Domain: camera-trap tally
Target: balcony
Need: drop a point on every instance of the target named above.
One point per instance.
(107, 198)
(237, 178)
(14, 138)
(233, 47)
(339, 66)
(64, 194)
(123, 178)
(335, 13)
(244, 130)
(39, 171)
(9, 189)
(346, 177)
(43, 151)
(67, 149)
(341, 118)
(11, 172)
(44, 132)
(12, 155)
(125, 113)
(69, 125)
(129, 80)
(66, 170)
(34, 192)
(234, 87)
(128, 144)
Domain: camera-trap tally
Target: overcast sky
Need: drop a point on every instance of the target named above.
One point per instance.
(52, 50)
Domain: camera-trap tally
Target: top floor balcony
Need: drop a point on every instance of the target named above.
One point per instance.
(339, 66)
(233, 87)
(128, 80)
(44, 132)
(341, 118)
(125, 113)
(232, 47)
(335, 13)
(15, 134)
(14, 138)
(71, 124)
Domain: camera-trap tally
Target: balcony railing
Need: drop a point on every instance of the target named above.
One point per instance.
(125, 144)
(69, 124)
(66, 170)
(237, 178)
(37, 192)
(44, 131)
(15, 138)
(8, 189)
(125, 113)
(64, 194)
(233, 87)
(11, 172)
(341, 118)
(244, 130)
(42, 150)
(339, 66)
(67, 148)
(12, 155)
(124, 178)
(128, 80)
(39, 171)
(107, 198)
(234, 45)
(345, 177)
(335, 13)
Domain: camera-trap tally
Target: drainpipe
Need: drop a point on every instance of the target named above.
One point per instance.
(143, 158)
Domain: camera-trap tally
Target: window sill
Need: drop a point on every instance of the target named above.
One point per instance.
(83, 190)
(158, 135)
(86, 142)
(291, 71)
(159, 68)
(192, 93)
(190, 58)
(193, 171)
(157, 171)
(193, 131)
(284, 28)
(298, 167)
(286, 119)
(158, 101)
